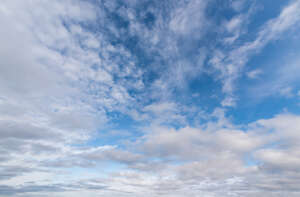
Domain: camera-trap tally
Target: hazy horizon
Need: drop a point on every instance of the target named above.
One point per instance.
(152, 98)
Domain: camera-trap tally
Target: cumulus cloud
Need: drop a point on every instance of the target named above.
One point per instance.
(112, 98)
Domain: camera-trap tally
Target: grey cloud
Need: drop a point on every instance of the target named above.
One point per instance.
(191, 143)
(49, 189)
(114, 155)
(43, 115)
(220, 156)
(10, 171)
(91, 156)
(26, 131)
(279, 160)
(11, 191)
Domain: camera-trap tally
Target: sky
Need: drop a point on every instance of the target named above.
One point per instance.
(152, 98)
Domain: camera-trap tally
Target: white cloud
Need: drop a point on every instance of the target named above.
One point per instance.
(284, 160)
(254, 73)
(48, 103)
(229, 101)
(59, 80)
(181, 19)
(160, 107)
(208, 159)
(281, 81)
(230, 63)
(233, 24)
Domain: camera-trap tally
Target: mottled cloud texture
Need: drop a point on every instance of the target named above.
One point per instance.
(149, 98)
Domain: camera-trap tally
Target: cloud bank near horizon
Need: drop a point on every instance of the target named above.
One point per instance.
(152, 98)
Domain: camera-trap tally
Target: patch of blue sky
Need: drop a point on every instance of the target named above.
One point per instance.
(265, 10)
(201, 91)
(247, 113)
(274, 90)
(120, 129)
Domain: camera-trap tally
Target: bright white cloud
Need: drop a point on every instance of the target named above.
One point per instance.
(109, 98)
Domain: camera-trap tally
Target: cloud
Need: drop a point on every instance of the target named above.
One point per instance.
(275, 160)
(229, 101)
(200, 144)
(281, 81)
(230, 63)
(204, 153)
(56, 89)
(254, 73)
(181, 20)
(98, 98)
(286, 92)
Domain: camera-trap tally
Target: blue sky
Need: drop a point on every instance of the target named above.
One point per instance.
(150, 98)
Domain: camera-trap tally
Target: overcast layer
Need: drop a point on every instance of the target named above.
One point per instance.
(152, 98)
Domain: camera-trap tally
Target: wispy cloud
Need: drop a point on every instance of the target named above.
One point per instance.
(231, 63)
(141, 98)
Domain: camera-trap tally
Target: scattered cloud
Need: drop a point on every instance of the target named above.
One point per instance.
(140, 98)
